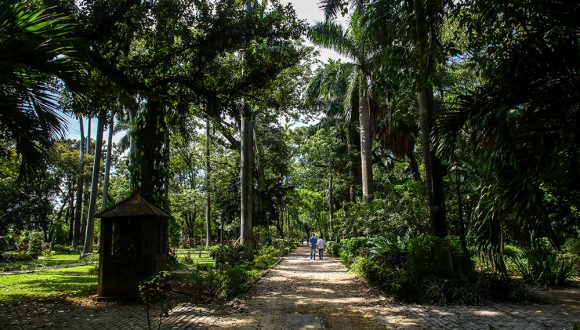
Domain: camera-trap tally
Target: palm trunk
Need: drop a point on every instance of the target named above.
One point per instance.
(108, 165)
(207, 182)
(365, 146)
(351, 169)
(246, 167)
(80, 185)
(89, 233)
(433, 171)
(330, 204)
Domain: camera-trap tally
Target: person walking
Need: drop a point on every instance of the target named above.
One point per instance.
(313, 241)
(320, 245)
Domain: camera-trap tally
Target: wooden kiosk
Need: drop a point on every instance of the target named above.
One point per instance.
(133, 247)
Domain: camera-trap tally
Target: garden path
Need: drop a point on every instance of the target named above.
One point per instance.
(305, 294)
(302, 294)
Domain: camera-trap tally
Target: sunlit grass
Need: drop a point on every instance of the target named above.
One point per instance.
(56, 283)
(194, 256)
(57, 259)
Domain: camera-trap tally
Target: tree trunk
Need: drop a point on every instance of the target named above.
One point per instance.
(433, 171)
(365, 145)
(89, 233)
(108, 164)
(246, 167)
(414, 167)
(151, 138)
(71, 212)
(351, 169)
(132, 111)
(207, 181)
(80, 185)
(330, 204)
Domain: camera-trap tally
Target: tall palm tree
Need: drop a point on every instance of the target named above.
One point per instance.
(333, 91)
(36, 47)
(354, 44)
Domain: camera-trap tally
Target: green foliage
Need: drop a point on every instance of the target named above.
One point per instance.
(62, 249)
(35, 239)
(540, 265)
(226, 255)
(232, 281)
(333, 248)
(350, 248)
(155, 291)
(570, 254)
(430, 256)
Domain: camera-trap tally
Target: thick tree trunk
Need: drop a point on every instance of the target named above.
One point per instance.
(365, 146)
(246, 185)
(150, 142)
(80, 185)
(207, 181)
(108, 164)
(132, 112)
(89, 233)
(433, 170)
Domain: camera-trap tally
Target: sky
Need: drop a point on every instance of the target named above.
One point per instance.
(305, 9)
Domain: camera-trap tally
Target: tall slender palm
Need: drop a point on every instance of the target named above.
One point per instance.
(354, 44)
(35, 47)
(333, 91)
(417, 24)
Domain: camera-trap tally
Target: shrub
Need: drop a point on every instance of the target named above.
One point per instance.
(232, 281)
(540, 265)
(62, 249)
(35, 241)
(352, 248)
(261, 262)
(225, 254)
(22, 256)
(429, 257)
(333, 248)
(570, 254)
(390, 252)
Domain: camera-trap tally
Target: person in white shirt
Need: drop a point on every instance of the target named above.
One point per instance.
(320, 246)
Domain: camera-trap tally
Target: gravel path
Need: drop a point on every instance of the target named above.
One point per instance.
(305, 294)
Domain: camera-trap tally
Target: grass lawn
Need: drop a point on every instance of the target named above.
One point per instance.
(57, 259)
(197, 256)
(57, 283)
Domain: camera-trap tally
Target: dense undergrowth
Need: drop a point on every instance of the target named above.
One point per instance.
(428, 269)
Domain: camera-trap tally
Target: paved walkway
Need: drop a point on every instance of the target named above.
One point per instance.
(303, 294)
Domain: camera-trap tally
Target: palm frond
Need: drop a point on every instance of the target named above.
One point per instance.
(331, 35)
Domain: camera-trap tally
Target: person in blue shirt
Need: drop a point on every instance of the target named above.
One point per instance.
(313, 241)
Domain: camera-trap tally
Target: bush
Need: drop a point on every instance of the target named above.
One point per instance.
(352, 248)
(429, 256)
(232, 281)
(62, 249)
(22, 256)
(333, 248)
(540, 265)
(35, 240)
(225, 254)
(570, 254)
